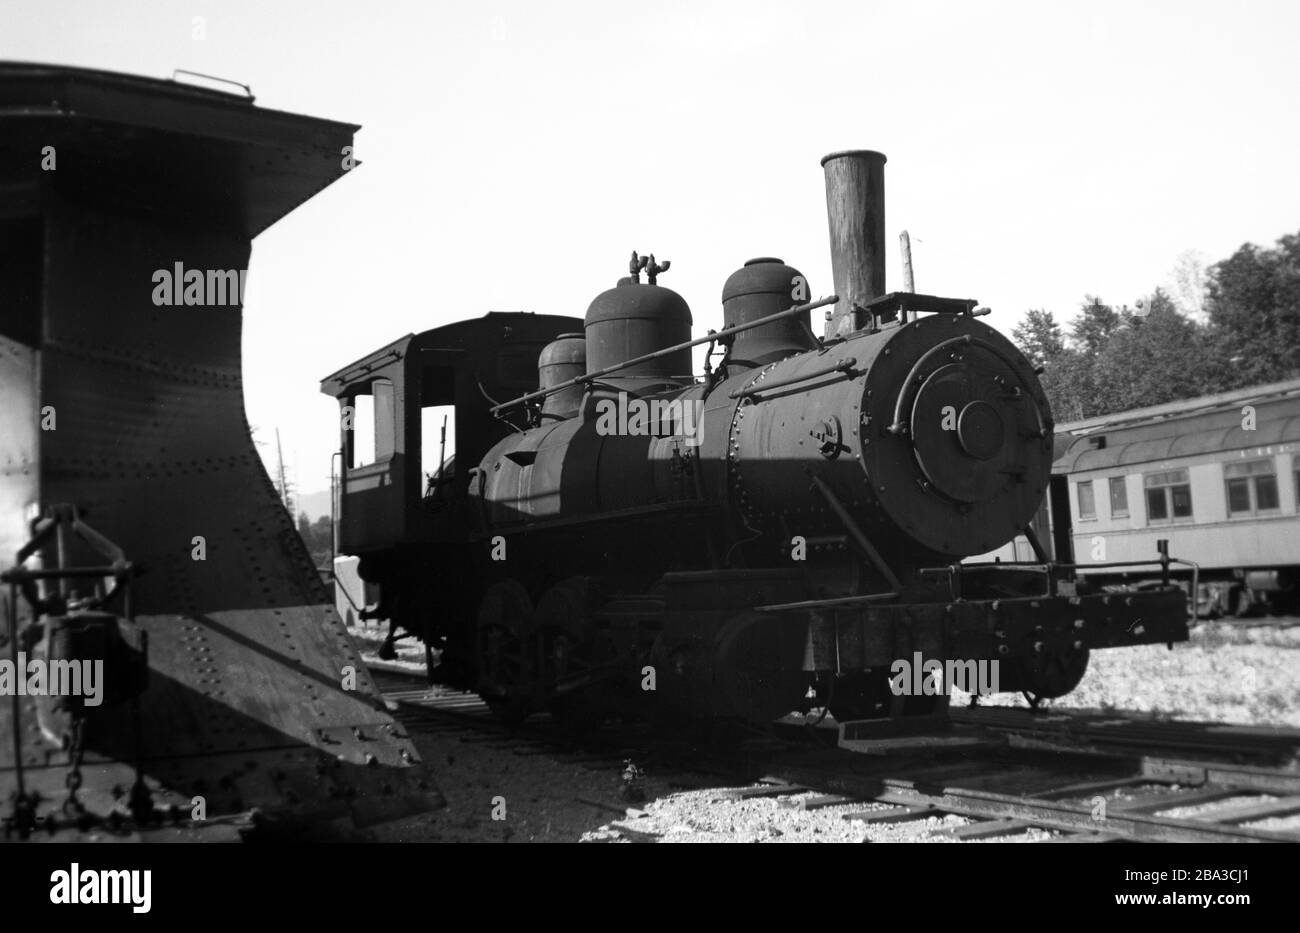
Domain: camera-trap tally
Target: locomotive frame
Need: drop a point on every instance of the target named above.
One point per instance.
(754, 571)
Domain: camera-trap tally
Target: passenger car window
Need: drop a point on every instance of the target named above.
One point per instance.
(1168, 494)
(1251, 487)
(1087, 501)
(1118, 497)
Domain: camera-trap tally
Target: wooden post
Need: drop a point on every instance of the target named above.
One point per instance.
(905, 244)
(284, 490)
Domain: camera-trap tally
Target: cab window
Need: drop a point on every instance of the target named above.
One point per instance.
(374, 419)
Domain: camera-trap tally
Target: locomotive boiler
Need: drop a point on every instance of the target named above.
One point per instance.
(773, 533)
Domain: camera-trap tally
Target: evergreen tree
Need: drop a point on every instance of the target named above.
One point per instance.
(1094, 326)
(1254, 314)
(1042, 341)
(1039, 337)
(1154, 357)
(1119, 359)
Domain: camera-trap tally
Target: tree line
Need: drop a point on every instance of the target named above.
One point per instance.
(1113, 359)
(318, 536)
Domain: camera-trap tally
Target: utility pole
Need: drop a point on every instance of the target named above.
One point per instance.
(905, 244)
(284, 490)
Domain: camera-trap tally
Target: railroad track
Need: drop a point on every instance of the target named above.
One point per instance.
(1117, 732)
(1075, 811)
(1081, 778)
(420, 709)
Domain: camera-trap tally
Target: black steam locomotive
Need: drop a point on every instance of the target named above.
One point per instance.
(776, 533)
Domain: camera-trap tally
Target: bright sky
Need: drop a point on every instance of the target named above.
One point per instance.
(516, 152)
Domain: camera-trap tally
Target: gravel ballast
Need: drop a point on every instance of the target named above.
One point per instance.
(1225, 673)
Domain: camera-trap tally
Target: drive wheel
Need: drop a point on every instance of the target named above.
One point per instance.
(569, 651)
(502, 639)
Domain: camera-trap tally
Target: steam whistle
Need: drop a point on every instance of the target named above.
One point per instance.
(653, 269)
(635, 265)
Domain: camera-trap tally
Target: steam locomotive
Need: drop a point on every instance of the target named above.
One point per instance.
(625, 536)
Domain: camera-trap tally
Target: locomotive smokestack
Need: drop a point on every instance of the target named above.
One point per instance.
(855, 210)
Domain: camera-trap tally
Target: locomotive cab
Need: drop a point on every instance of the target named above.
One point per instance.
(398, 485)
(412, 416)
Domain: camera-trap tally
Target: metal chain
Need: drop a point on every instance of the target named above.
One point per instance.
(76, 749)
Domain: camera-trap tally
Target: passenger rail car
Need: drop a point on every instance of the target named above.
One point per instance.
(1219, 477)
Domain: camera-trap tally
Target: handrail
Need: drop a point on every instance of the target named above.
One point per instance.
(676, 348)
(899, 426)
(1064, 566)
(844, 366)
(833, 602)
